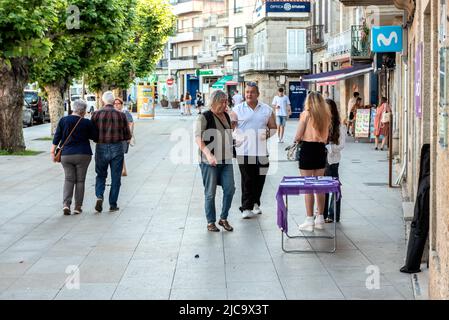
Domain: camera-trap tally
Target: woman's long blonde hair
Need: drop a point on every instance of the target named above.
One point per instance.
(320, 114)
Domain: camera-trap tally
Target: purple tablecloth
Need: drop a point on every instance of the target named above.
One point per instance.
(303, 185)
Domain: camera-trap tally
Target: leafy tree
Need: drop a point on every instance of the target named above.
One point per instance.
(153, 23)
(24, 38)
(80, 41)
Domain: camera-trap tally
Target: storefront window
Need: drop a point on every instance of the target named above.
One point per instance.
(444, 101)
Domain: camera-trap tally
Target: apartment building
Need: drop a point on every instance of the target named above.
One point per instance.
(276, 50)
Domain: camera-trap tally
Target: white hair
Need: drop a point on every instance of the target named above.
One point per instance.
(79, 106)
(108, 97)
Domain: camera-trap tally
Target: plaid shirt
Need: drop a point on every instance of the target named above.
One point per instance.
(111, 124)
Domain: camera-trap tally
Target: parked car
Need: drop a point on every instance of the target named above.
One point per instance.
(38, 104)
(91, 100)
(27, 114)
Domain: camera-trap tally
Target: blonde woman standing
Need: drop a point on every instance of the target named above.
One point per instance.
(313, 134)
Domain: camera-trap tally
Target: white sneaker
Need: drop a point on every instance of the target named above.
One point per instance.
(308, 225)
(247, 214)
(257, 210)
(319, 222)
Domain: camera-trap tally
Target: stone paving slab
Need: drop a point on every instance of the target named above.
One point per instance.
(157, 246)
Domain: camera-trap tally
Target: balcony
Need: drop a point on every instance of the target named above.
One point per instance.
(315, 37)
(183, 63)
(274, 62)
(339, 46)
(360, 43)
(186, 35)
(193, 6)
(207, 57)
(407, 5)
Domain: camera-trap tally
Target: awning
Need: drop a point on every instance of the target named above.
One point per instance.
(224, 81)
(338, 75)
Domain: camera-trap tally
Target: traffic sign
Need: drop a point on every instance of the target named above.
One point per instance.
(170, 82)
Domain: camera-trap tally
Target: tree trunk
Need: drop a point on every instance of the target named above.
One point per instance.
(12, 84)
(55, 104)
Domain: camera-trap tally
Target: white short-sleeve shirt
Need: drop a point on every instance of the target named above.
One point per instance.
(282, 102)
(251, 129)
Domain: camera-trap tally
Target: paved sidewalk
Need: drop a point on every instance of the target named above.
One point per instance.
(157, 246)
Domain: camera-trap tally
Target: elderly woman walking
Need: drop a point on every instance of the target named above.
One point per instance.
(213, 135)
(73, 133)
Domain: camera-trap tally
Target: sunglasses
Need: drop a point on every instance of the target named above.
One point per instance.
(251, 84)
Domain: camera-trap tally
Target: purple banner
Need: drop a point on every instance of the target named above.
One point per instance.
(418, 80)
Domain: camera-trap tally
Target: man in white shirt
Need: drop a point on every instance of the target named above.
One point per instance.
(255, 124)
(282, 106)
(237, 98)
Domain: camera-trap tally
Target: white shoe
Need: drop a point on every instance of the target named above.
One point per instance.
(247, 214)
(308, 225)
(319, 222)
(257, 210)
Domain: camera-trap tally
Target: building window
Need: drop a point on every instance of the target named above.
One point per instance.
(238, 34)
(238, 6)
(296, 42)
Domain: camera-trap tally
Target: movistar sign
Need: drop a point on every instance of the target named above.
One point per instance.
(288, 6)
(386, 39)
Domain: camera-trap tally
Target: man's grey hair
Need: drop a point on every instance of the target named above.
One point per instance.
(108, 97)
(217, 96)
(79, 106)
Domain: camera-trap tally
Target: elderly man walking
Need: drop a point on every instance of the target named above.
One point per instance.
(255, 124)
(113, 129)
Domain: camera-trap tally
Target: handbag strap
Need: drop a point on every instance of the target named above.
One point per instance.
(68, 137)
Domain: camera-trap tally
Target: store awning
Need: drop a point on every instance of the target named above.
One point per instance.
(224, 81)
(338, 75)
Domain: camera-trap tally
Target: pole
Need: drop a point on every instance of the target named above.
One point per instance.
(390, 135)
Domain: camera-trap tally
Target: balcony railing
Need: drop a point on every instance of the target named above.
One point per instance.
(205, 57)
(315, 37)
(274, 62)
(360, 42)
(188, 34)
(340, 44)
(180, 8)
(184, 62)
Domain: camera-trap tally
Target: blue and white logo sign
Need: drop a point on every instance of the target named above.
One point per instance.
(387, 39)
(288, 6)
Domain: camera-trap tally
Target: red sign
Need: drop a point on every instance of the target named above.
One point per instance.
(170, 82)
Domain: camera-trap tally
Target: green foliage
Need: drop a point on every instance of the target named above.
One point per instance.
(24, 28)
(153, 22)
(103, 26)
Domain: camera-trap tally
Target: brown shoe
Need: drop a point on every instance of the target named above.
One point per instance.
(77, 210)
(225, 224)
(212, 227)
(66, 211)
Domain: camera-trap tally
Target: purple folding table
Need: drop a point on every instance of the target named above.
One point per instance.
(305, 185)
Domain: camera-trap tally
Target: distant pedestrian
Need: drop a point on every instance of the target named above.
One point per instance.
(255, 122)
(181, 104)
(113, 130)
(188, 103)
(283, 109)
(382, 123)
(358, 105)
(76, 154)
(237, 98)
(337, 141)
(199, 101)
(118, 105)
(214, 138)
(313, 134)
(349, 112)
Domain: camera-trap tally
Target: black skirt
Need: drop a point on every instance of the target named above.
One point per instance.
(313, 156)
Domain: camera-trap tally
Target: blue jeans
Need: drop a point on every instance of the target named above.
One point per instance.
(222, 174)
(109, 155)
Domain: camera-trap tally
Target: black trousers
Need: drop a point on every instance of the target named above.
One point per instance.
(332, 171)
(253, 171)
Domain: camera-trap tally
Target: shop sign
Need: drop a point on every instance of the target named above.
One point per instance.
(387, 39)
(288, 6)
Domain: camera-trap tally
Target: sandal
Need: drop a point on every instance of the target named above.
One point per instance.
(225, 224)
(212, 227)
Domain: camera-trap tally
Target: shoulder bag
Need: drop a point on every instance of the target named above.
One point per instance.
(59, 148)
